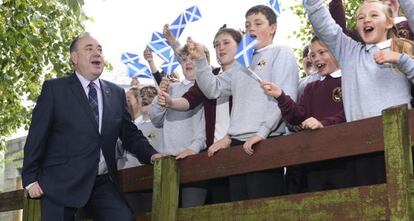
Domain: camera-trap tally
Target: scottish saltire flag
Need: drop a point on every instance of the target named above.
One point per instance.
(177, 27)
(138, 70)
(129, 58)
(163, 51)
(169, 66)
(158, 38)
(192, 14)
(274, 4)
(244, 53)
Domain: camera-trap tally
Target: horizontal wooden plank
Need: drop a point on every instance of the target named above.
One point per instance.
(308, 146)
(341, 140)
(10, 201)
(360, 203)
(136, 178)
(347, 139)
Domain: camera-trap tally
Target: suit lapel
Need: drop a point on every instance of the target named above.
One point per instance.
(79, 92)
(106, 109)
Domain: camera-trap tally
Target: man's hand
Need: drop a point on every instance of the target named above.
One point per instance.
(35, 191)
(218, 145)
(248, 145)
(187, 152)
(382, 57)
(311, 123)
(157, 156)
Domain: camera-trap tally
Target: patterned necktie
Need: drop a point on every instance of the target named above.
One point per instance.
(93, 101)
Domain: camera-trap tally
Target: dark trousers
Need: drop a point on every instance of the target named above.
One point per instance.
(106, 203)
(368, 169)
(257, 184)
(329, 174)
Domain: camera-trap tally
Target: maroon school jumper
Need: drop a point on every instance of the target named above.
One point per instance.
(321, 100)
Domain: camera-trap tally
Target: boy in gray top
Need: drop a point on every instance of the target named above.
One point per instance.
(183, 131)
(255, 116)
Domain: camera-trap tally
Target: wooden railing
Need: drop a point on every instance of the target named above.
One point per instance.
(393, 200)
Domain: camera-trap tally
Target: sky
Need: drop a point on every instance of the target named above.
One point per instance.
(127, 25)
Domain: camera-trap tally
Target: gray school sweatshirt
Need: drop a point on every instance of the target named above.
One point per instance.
(181, 129)
(367, 87)
(253, 112)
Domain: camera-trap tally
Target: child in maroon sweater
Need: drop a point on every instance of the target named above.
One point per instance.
(321, 103)
(320, 106)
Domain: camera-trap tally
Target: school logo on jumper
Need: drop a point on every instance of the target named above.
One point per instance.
(261, 64)
(337, 94)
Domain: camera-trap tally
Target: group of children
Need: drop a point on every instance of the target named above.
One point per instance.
(348, 80)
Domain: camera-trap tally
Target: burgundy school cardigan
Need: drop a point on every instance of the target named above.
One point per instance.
(195, 96)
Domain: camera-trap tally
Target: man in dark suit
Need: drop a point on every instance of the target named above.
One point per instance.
(69, 156)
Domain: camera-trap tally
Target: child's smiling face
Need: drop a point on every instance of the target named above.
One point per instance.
(373, 23)
(258, 26)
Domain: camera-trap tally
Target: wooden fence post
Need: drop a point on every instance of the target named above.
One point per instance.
(165, 190)
(31, 209)
(398, 162)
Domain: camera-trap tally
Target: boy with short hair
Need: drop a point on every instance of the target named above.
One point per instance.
(183, 131)
(253, 116)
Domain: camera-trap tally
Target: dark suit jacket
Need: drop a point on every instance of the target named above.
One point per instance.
(63, 146)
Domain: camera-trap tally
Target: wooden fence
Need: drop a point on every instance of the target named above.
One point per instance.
(391, 133)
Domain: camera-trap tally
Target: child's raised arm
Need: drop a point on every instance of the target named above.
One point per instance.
(408, 8)
(329, 32)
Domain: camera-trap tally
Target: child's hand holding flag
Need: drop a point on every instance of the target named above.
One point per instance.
(195, 49)
(271, 89)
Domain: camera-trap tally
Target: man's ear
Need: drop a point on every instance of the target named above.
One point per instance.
(74, 57)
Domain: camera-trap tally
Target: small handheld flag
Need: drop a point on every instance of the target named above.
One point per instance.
(177, 27)
(244, 53)
(138, 70)
(192, 14)
(274, 4)
(163, 51)
(169, 66)
(129, 58)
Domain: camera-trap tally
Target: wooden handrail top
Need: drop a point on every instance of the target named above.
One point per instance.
(359, 137)
(342, 140)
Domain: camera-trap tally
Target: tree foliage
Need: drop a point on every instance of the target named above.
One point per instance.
(34, 40)
(305, 33)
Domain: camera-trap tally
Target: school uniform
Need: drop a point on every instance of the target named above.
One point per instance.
(181, 130)
(217, 118)
(367, 87)
(253, 112)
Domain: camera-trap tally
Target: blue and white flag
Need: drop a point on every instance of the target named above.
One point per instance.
(177, 27)
(244, 53)
(158, 38)
(129, 58)
(169, 66)
(138, 70)
(274, 4)
(162, 50)
(192, 14)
